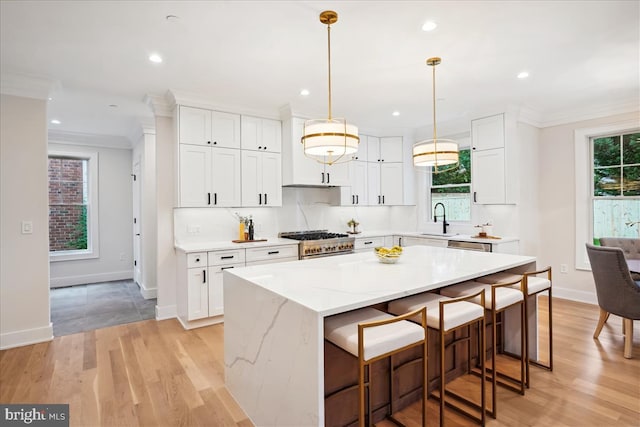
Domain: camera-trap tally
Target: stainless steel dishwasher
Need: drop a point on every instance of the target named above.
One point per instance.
(470, 246)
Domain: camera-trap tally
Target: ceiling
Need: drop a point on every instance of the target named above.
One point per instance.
(582, 57)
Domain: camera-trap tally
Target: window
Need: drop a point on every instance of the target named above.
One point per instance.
(72, 205)
(453, 189)
(616, 185)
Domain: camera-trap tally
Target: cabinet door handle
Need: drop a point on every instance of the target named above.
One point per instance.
(204, 276)
(208, 142)
(259, 198)
(215, 198)
(264, 148)
(197, 259)
(137, 234)
(322, 177)
(227, 257)
(475, 198)
(353, 199)
(328, 177)
(357, 199)
(215, 142)
(399, 241)
(260, 147)
(378, 199)
(208, 198)
(273, 252)
(383, 196)
(368, 243)
(225, 268)
(265, 198)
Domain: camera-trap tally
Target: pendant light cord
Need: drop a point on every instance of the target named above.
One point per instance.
(435, 138)
(329, 62)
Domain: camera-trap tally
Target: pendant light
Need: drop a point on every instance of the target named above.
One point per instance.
(329, 140)
(435, 152)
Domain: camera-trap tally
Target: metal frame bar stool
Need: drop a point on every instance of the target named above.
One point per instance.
(448, 315)
(502, 297)
(372, 335)
(532, 286)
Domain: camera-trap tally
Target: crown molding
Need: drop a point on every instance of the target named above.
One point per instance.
(27, 86)
(161, 106)
(193, 100)
(89, 139)
(589, 113)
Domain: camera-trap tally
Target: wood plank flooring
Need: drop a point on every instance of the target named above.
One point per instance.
(152, 373)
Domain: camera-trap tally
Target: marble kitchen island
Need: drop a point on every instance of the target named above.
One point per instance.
(274, 319)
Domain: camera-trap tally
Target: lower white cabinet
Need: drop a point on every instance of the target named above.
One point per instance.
(197, 294)
(364, 244)
(424, 241)
(215, 295)
(269, 254)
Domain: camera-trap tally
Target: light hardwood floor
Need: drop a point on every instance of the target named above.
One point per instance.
(157, 374)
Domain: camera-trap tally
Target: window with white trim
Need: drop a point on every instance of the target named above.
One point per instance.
(615, 195)
(73, 205)
(453, 189)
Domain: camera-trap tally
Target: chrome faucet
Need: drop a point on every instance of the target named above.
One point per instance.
(444, 217)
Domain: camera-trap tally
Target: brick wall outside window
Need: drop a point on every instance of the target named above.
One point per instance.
(67, 204)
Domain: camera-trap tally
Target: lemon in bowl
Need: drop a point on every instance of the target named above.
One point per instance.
(388, 255)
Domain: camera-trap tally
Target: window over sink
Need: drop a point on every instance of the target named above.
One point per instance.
(453, 189)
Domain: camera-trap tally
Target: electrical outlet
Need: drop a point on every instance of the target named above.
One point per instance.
(27, 227)
(563, 268)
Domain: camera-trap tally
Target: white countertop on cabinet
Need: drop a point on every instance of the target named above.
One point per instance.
(211, 245)
(337, 284)
(456, 237)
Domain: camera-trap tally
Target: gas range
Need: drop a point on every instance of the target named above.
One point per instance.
(320, 243)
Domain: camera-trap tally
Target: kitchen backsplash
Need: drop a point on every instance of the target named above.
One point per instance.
(302, 209)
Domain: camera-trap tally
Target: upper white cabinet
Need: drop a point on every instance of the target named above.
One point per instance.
(385, 149)
(261, 179)
(358, 192)
(198, 126)
(494, 157)
(298, 169)
(261, 134)
(209, 176)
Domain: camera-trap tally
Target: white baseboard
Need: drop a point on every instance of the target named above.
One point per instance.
(83, 279)
(200, 322)
(573, 295)
(147, 293)
(26, 337)
(166, 312)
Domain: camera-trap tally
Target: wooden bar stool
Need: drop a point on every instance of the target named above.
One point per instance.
(498, 299)
(371, 335)
(448, 315)
(532, 285)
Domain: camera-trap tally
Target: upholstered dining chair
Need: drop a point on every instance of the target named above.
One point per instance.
(617, 293)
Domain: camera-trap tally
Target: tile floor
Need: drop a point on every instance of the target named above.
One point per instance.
(87, 307)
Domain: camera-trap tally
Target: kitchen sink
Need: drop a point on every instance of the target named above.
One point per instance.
(440, 234)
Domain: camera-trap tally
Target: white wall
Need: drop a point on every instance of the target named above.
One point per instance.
(24, 258)
(557, 207)
(115, 261)
(145, 152)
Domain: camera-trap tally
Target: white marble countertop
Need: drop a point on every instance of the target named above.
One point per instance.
(334, 285)
(212, 245)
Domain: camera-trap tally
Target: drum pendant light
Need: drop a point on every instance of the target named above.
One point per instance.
(435, 152)
(329, 140)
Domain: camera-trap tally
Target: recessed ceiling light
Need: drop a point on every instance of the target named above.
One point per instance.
(395, 113)
(155, 58)
(523, 75)
(305, 92)
(429, 26)
(50, 98)
(55, 122)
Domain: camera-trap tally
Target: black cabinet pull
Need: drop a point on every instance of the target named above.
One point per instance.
(137, 234)
(215, 142)
(328, 177)
(227, 257)
(204, 276)
(382, 160)
(383, 197)
(353, 199)
(260, 147)
(378, 199)
(208, 142)
(322, 177)
(259, 198)
(357, 199)
(399, 241)
(197, 259)
(225, 268)
(265, 147)
(265, 198)
(368, 243)
(475, 199)
(273, 252)
(208, 198)
(215, 198)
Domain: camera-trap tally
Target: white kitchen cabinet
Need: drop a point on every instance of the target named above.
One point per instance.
(198, 126)
(424, 241)
(299, 169)
(215, 289)
(261, 179)
(197, 294)
(364, 244)
(493, 160)
(384, 149)
(363, 150)
(209, 176)
(357, 193)
(271, 254)
(261, 134)
(385, 184)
